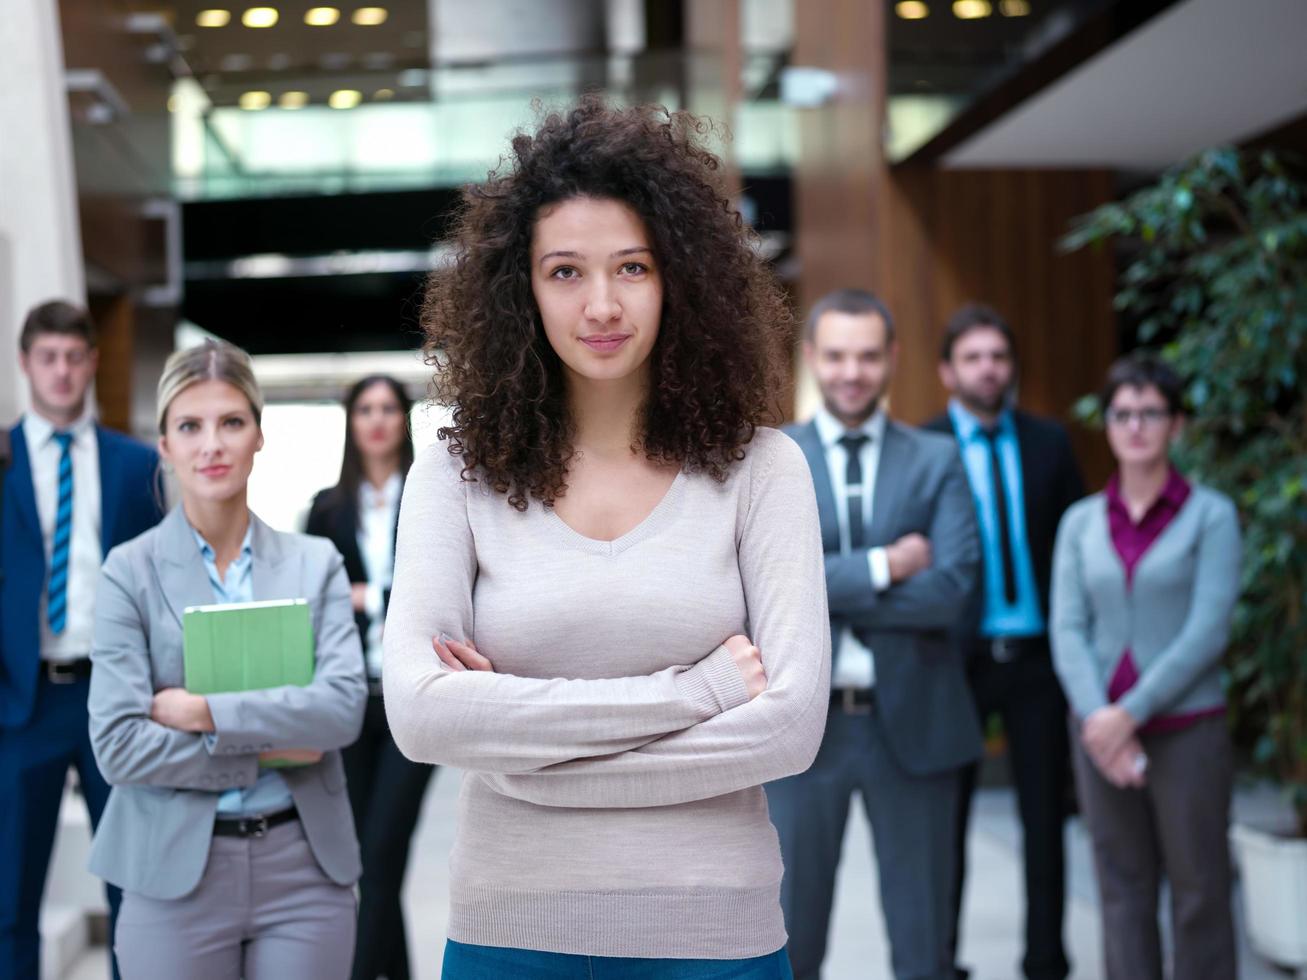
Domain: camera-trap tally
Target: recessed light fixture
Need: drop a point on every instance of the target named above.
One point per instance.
(972, 9)
(383, 95)
(293, 100)
(321, 16)
(254, 101)
(260, 17)
(912, 9)
(1014, 8)
(213, 18)
(369, 16)
(345, 98)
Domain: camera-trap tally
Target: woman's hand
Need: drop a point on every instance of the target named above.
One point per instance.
(1127, 770)
(299, 757)
(358, 596)
(1105, 733)
(459, 656)
(175, 707)
(748, 658)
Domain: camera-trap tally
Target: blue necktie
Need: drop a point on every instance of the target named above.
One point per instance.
(57, 593)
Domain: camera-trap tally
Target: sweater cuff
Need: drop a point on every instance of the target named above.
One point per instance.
(1136, 704)
(714, 684)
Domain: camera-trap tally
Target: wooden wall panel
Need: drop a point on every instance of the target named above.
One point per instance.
(114, 318)
(927, 240)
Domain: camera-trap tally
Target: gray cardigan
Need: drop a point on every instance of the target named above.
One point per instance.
(1175, 618)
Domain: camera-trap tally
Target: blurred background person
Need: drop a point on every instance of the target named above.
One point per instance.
(1023, 476)
(901, 559)
(360, 515)
(74, 490)
(229, 868)
(1146, 576)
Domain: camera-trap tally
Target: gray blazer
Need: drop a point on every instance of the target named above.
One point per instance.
(153, 838)
(1175, 617)
(924, 703)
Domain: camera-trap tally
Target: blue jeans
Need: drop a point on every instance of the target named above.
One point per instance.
(465, 962)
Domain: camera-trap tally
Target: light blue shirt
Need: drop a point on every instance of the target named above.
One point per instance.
(269, 794)
(1000, 618)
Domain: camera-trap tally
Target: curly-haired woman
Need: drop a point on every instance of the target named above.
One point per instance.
(608, 605)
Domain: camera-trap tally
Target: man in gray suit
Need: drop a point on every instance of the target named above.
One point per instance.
(902, 564)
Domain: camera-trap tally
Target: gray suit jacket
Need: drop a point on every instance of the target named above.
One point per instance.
(154, 836)
(925, 706)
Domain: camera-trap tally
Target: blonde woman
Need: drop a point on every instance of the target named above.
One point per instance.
(229, 868)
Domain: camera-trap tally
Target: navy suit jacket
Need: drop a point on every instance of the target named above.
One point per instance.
(130, 498)
(925, 706)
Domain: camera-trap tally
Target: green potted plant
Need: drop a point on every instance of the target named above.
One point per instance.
(1217, 278)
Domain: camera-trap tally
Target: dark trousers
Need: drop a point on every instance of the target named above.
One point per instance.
(1027, 697)
(385, 794)
(34, 763)
(911, 821)
(1175, 826)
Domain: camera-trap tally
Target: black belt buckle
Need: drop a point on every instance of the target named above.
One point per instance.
(1003, 649)
(253, 826)
(65, 673)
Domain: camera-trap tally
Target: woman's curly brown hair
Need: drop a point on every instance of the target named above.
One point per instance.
(717, 364)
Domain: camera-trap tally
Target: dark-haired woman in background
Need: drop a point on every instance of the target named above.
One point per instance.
(1145, 578)
(359, 515)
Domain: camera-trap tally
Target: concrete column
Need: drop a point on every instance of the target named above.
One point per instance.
(40, 239)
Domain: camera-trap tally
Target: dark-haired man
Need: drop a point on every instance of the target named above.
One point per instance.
(1023, 476)
(901, 559)
(74, 489)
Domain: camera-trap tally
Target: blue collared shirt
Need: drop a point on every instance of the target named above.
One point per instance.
(1000, 618)
(269, 793)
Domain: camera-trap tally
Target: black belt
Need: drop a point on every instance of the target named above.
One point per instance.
(853, 700)
(1005, 649)
(252, 826)
(69, 672)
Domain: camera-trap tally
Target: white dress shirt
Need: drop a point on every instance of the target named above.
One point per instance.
(85, 555)
(376, 538)
(854, 666)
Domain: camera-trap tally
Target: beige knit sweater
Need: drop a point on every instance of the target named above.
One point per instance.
(612, 804)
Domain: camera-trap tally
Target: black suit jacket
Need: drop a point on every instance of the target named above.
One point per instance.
(1050, 482)
(335, 516)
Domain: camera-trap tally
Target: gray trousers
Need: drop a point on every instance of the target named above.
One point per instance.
(263, 911)
(912, 821)
(1175, 826)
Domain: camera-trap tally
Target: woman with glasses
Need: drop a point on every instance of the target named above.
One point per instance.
(1146, 575)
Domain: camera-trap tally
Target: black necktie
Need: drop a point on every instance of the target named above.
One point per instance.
(853, 443)
(1000, 508)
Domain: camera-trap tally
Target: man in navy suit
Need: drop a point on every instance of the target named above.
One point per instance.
(73, 490)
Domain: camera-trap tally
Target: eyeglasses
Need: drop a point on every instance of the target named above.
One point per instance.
(1148, 418)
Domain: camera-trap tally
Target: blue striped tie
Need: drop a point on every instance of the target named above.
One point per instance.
(57, 594)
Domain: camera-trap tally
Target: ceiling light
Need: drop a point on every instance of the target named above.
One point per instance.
(345, 98)
(383, 94)
(911, 9)
(369, 16)
(972, 9)
(253, 101)
(260, 17)
(213, 18)
(321, 16)
(293, 100)
(1014, 8)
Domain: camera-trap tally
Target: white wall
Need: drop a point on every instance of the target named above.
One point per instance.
(40, 239)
